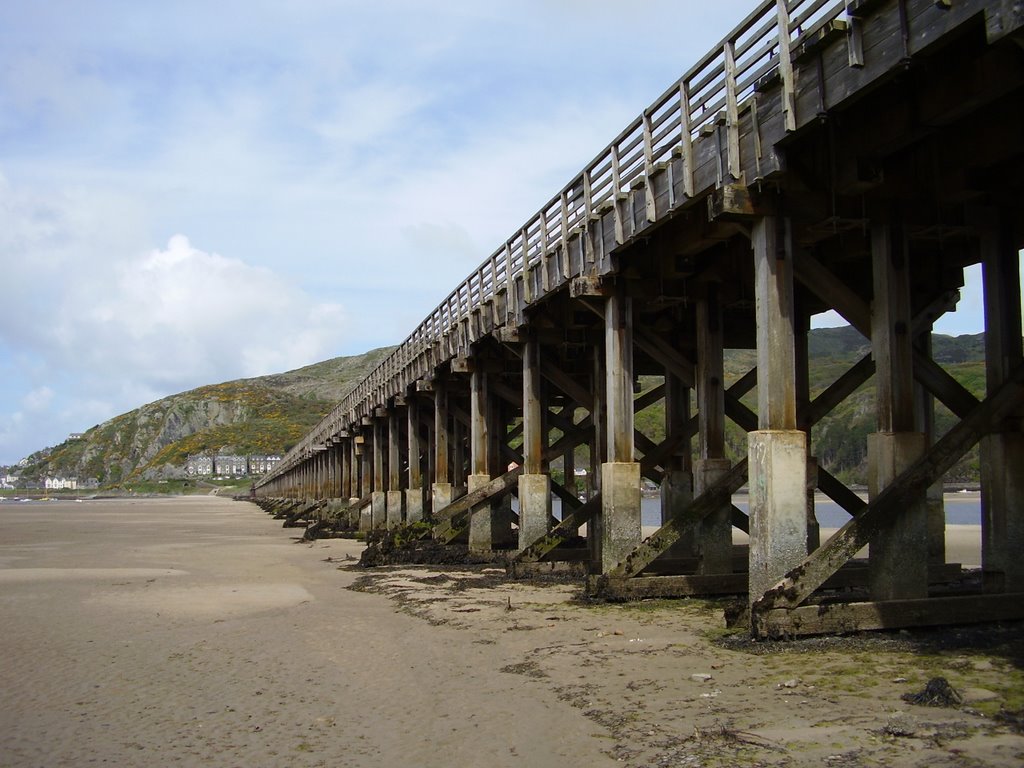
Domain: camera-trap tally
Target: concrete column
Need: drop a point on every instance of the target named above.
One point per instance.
(777, 451)
(414, 492)
(1002, 452)
(534, 484)
(899, 550)
(441, 492)
(482, 523)
(620, 474)
(778, 505)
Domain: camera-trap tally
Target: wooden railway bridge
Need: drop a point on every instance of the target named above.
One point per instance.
(853, 156)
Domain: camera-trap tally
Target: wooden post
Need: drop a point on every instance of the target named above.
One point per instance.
(777, 451)
(534, 484)
(378, 495)
(414, 492)
(480, 524)
(1002, 452)
(803, 401)
(620, 474)
(714, 534)
(395, 497)
(441, 492)
(924, 422)
(899, 550)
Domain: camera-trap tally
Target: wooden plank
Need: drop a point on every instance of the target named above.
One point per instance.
(621, 588)
(802, 580)
(839, 618)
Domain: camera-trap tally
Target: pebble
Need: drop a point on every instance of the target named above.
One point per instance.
(700, 677)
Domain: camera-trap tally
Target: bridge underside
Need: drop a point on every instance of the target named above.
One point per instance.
(864, 183)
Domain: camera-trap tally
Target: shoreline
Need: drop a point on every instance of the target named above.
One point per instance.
(198, 632)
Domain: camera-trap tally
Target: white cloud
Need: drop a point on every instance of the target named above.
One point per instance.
(38, 399)
(90, 319)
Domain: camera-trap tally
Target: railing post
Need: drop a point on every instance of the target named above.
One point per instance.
(786, 66)
(732, 119)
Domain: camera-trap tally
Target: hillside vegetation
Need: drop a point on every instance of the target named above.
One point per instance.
(839, 441)
(269, 414)
(263, 415)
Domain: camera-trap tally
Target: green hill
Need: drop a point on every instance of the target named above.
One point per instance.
(263, 415)
(268, 414)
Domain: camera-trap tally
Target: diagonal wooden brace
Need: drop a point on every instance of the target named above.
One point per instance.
(802, 580)
(451, 519)
(560, 533)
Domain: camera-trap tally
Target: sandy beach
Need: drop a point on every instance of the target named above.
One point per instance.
(196, 631)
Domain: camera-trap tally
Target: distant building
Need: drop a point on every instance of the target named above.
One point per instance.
(229, 465)
(76, 436)
(61, 483)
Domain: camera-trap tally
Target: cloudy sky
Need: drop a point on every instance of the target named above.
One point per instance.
(196, 191)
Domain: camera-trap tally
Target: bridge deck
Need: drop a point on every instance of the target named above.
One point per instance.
(853, 156)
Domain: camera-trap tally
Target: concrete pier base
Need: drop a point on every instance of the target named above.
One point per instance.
(714, 536)
(899, 551)
(1002, 512)
(413, 505)
(482, 522)
(395, 503)
(534, 508)
(441, 495)
(621, 531)
(366, 518)
(778, 505)
(676, 494)
(379, 509)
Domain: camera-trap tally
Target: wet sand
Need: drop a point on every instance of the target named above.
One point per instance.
(196, 631)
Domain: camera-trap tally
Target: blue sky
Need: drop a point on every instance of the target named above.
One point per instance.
(192, 192)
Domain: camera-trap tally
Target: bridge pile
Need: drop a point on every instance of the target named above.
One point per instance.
(848, 156)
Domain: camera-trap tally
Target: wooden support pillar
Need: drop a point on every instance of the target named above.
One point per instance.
(414, 492)
(899, 550)
(714, 533)
(677, 484)
(598, 448)
(924, 422)
(441, 492)
(1002, 451)
(366, 479)
(534, 483)
(378, 496)
(353, 469)
(395, 500)
(482, 521)
(620, 474)
(777, 450)
(460, 471)
(803, 401)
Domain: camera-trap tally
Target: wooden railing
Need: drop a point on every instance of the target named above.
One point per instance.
(709, 94)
